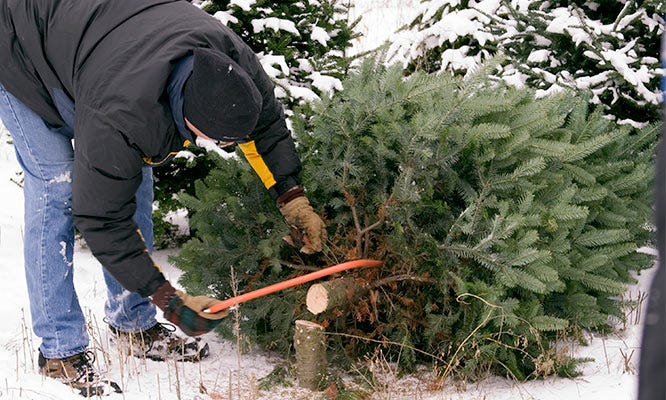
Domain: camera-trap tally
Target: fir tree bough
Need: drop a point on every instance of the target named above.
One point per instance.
(503, 221)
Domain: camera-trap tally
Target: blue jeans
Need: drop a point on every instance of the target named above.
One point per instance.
(46, 156)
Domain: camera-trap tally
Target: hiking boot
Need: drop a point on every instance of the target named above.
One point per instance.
(161, 343)
(79, 372)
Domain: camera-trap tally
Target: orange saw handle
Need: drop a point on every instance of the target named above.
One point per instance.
(291, 283)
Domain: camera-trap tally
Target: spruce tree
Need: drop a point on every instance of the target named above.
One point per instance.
(502, 220)
(608, 47)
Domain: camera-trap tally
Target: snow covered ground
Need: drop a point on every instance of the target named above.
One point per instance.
(229, 375)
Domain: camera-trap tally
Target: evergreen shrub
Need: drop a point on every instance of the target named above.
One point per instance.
(503, 221)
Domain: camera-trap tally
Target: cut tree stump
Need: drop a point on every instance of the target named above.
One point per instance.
(310, 349)
(331, 294)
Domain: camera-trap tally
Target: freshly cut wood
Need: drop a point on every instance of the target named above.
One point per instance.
(299, 280)
(330, 294)
(310, 349)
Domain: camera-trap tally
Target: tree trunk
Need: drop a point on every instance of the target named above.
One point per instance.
(310, 348)
(334, 293)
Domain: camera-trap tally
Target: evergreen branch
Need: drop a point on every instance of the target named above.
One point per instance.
(490, 131)
(551, 148)
(630, 183)
(595, 282)
(548, 323)
(351, 202)
(528, 168)
(455, 226)
(580, 174)
(527, 256)
(592, 262)
(569, 212)
(520, 24)
(489, 262)
(582, 150)
(493, 17)
(602, 237)
(583, 25)
(502, 317)
(647, 135)
(439, 85)
(380, 221)
(512, 277)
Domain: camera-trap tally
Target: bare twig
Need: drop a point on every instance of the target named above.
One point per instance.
(299, 267)
(628, 366)
(603, 342)
(237, 329)
(175, 366)
(400, 278)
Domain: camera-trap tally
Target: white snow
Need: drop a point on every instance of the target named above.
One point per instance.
(187, 155)
(303, 93)
(63, 253)
(320, 35)
(269, 61)
(379, 20)
(65, 177)
(245, 5)
(276, 24)
(305, 65)
(539, 56)
(327, 84)
(211, 146)
(225, 17)
(458, 59)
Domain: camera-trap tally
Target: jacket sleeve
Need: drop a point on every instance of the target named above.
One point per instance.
(107, 173)
(271, 152)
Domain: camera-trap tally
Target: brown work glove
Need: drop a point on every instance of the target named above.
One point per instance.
(299, 214)
(186, 311)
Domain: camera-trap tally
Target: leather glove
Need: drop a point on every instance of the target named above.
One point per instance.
(186, 311)
(298, 213)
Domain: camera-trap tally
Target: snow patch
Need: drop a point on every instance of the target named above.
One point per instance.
(303, 93)
(277, 24)
(268, 61)
(538, 56)
(225, 17)
(320, 35)
(327, 84)
(245, 5)
(186, 154)
(65, 177)
(63, 252)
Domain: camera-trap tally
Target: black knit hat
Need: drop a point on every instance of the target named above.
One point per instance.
(219, 98)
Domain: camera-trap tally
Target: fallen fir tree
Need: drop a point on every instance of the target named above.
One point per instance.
(503, 221)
